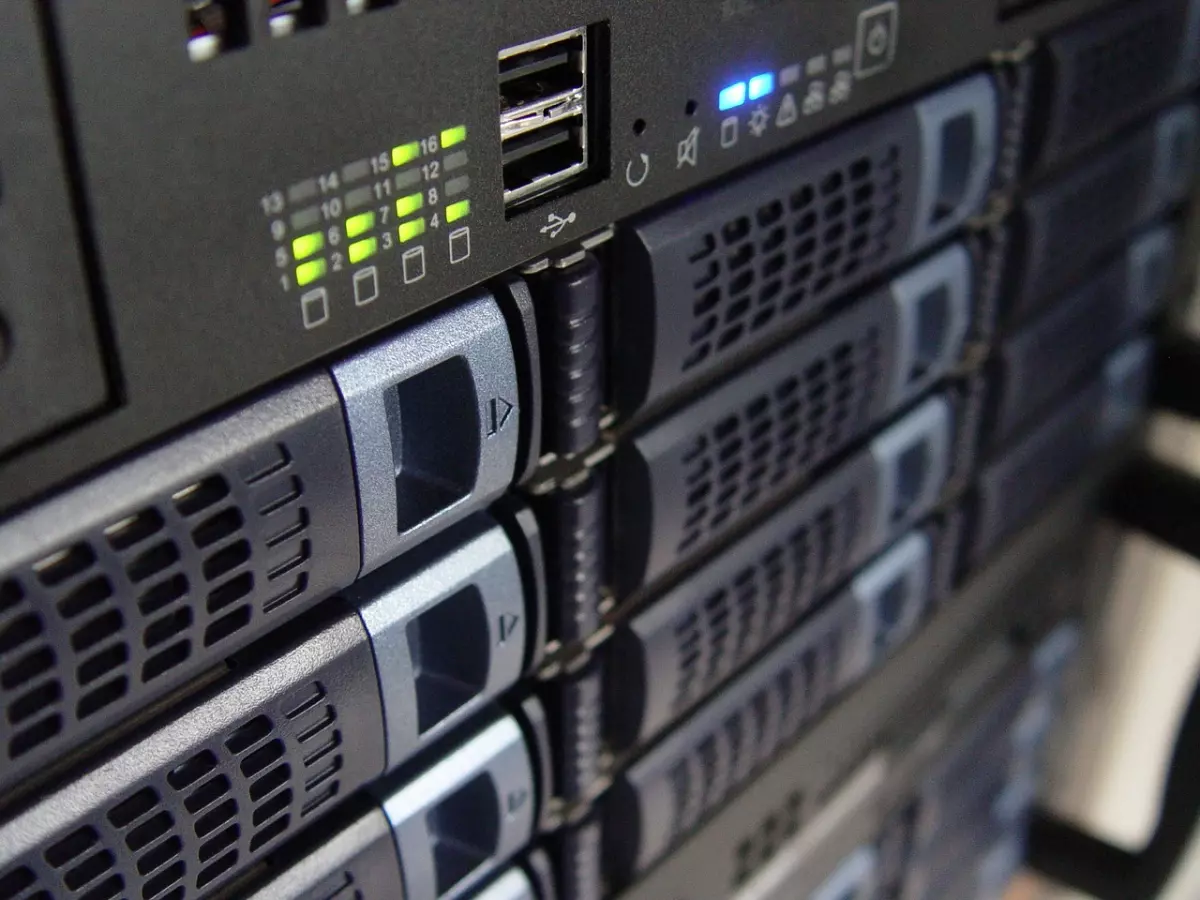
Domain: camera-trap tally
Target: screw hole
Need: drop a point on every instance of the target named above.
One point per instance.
(690, 107)
(639, 126)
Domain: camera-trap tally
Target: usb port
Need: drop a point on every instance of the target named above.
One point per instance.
(545, 115)
(289, 16)
(535, 162)
(214, 27)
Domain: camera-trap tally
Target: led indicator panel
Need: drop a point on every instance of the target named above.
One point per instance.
(361, 250)
(360, 224)
(325, 220)
(308, 245)
(406, 153)
(732, 96)
(411, 229)
(761, 85)
(408, 205)
(307, 273)
(453, 136)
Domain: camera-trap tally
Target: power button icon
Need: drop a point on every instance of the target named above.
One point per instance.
(878, 30)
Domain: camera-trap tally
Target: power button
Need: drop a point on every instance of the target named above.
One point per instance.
(878, 28)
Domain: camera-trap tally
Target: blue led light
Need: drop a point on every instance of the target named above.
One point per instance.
(761, 85)
(734, 95)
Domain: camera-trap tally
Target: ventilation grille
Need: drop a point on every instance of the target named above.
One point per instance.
(1108, 71)
(780, 435)
(761, 844)
(792, 253)
(1020, 482)
(92, 630)
(1079, 219)
(180, 834)
(761, 600)
(725, 755)
(1089, 322)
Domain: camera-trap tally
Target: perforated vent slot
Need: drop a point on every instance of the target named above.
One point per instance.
(1115, 188)
(1109, 70)
(761, 600)
(788, 689)
(761, 844)
(681, 794)
(91, 629)
(792, 252)
(1073, 222)
(1022, 480)
(181, 833)
(780, 435)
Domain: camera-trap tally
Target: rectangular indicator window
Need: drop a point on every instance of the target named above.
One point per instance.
(308, 244)
(406, 206)
(734, 95)
(411, 229)
(761, 85)
(405, 153)
(360, 224)
(456, 211)
(308, 272)
(452, 136)
(361, 250)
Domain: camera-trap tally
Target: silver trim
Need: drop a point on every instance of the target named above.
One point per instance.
(531, 116)
(549, 111)
(498, 753)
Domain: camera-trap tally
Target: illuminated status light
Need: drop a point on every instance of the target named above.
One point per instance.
(455, 135)
(406, 153)
(734, 95)
(308, 244)
(761, 85)
(361, 250)
(309, 272)
(406, 206)
(411, 229)
(459, 210)
(360, 224)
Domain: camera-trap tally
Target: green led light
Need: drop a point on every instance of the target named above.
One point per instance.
(363, 249)
(456, 211)
(308, 244)
(405, 153)
(455, 135)
(307, 273)
(360, 224)
(406, 206)
(411, 229)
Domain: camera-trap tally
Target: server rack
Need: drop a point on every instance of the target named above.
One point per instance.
(502, 512)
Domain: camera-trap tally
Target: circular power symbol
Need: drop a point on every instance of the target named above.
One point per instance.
(635, 178)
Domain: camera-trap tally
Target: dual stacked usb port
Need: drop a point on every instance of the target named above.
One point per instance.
(546, 116)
